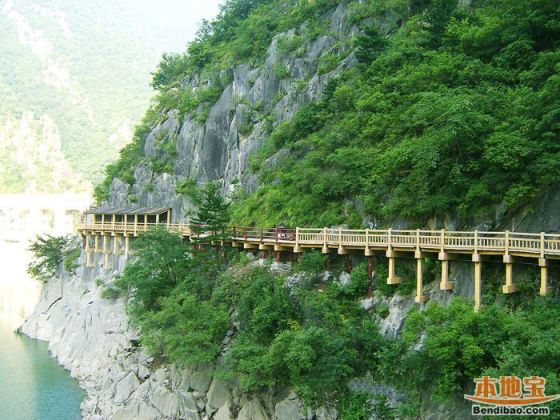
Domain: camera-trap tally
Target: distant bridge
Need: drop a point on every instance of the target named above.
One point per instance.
(103, 232)
(22, 216)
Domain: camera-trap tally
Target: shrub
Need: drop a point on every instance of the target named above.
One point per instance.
(313, 342)
(356, 406)
(188, 188)
(110, 293)
(312, 263)
(280, 70)
(382, 309)
(52, 252)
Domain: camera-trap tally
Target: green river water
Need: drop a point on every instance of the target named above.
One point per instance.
(33, 386)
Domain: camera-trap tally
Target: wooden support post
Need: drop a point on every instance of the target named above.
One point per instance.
(116, 249)
(420, 296)
(477, 282)
(106, 255)
(390, 254)
(135, 225)
(126, 246)
(278, 256)
(544, 289)
(444, 283)
(89, 254)
(341, 249)
(325, 248)
(96, 243)
(297, 248)
(145, 223)
(157, 219)
(102, 222)
(370, 275)
(509, 287)
(168, 218)
(328, 263)
(349, 263)
(392, 278)
(264, 254)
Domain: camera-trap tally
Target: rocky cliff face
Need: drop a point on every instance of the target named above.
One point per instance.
(90, 336)
(238, 123)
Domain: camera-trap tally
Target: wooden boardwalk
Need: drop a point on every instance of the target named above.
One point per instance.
(441, 244)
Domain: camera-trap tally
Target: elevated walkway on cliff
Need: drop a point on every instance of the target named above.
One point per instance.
(102, 230)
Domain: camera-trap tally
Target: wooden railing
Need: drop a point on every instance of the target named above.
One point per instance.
(539, 245)
(132, 228)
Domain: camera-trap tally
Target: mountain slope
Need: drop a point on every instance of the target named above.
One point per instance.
(435, 111)
(73, 64)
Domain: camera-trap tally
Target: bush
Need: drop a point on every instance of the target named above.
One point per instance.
(357, 406)
(311, 341)
(443, 349)
(383, 310)
(51, 253)
(169, 286)
(312, 263)
(110, 293)
(393, 128)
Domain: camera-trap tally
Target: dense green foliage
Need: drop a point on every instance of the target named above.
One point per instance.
(212, 215)
(454, 113)
(170, 290)
(313, 336)
(312, 339)
(51, 253)
(460, 345)
(241, 33)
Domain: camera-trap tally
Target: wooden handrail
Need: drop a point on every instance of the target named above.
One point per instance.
(533, 244)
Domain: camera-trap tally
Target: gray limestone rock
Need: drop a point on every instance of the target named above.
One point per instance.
(290, 408)
(125, 387)
(200, 379)
(252, 410)
(218, 394)
(223, 413)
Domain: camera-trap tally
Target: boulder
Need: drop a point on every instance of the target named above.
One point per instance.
(252, 410)
(218, 394)
(223, 413)
(289, 409)
(125, 387)
(201, 378)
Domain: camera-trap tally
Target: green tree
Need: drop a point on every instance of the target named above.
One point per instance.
(50, 253)
(213, 215)
(159, 265)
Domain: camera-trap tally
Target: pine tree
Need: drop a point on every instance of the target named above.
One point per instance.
(212, 216)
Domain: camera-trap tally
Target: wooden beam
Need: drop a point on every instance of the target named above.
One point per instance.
(420, 296)
(477, 282)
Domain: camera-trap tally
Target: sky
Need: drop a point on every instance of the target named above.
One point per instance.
(170, 24)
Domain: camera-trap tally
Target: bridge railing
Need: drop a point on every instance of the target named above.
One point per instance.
(132, 228)
(536, 244)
